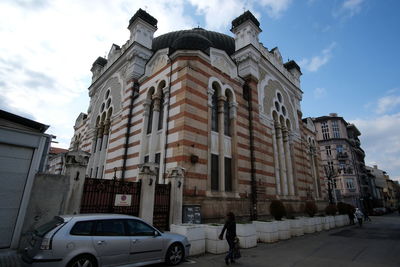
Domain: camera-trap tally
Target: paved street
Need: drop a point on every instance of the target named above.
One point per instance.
(376, 244)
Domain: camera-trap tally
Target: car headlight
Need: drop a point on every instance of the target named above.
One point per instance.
(46, 244)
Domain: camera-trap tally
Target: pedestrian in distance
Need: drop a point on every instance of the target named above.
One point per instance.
(230, 228)
(351, 217)
(366, 217)
(359, 215)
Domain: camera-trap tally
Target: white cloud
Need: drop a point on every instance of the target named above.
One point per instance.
(348, 9)
(218, 14)
(316, 62)
(387, 103)
(47, 48)
(381, 141)
(319, 93)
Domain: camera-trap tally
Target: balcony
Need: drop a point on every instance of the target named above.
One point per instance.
(342, 155)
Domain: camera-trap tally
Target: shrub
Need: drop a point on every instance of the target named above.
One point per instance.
(277, 209)
(311, 208)
(350, 208)
(342, 208)
(289, 211)
(331, 209)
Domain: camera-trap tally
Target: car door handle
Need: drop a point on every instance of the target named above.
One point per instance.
(101, 242)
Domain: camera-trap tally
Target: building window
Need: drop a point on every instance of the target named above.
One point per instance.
(91, 172)
(214, 172)
(157, 161)
(350, 183)
(325, 130)
(330, 166)
(150, 120)
(146, 159)
(228, 174)
(339, 149)
(161, 114)
(342, 166)
(328, 151)
(214, 112)
(97, 171)
(227, 119)
(335, 129)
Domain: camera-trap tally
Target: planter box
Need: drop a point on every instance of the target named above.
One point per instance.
(297, 227)
(346, 220)
(195, 234)
(331, 222)
(213, 244)
(318, 224)
(247, 235)
(309, 225)
(338, 221)
(325, 223)
(267, 232)
(284, 229)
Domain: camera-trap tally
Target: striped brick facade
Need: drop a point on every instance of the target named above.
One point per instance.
(267, 147)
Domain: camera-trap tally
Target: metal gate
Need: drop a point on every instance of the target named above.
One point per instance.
(99, 196)
(161, 206)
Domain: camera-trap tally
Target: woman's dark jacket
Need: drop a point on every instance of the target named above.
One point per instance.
(230, 227)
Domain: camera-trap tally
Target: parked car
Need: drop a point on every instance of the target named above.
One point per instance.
(94, 240)
(378, 211)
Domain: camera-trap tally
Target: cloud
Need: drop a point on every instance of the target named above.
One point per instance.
(381, 141)
(316, 62)
(319, 93)
(348, 9)
(47, 48)
(218, 14)
(387, 103)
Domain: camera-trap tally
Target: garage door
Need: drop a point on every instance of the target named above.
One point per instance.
(15, 162)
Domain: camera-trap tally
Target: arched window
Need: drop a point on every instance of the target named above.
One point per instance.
(161, 113)
(227, 114)
(214, 111)
(150, 118)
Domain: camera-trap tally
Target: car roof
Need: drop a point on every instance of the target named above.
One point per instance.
(97, 216)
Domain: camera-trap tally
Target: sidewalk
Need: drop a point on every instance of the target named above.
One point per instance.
(9, 258)
(376, 244)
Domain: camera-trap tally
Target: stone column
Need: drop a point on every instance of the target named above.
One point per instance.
(282, 163)
(143, 142)
(221, 143)
(276, 161)
(75, 169)
(164, 133)
(233, 116)
(154, 126)
(288, 160)
(147, 175)
(176, 176)
(210, 93)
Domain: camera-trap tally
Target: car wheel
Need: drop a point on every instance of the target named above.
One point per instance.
(83, 261)
(175, 254)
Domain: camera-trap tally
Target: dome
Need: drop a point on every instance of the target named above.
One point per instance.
(195, 39)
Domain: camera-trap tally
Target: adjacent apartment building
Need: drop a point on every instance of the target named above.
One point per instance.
(224, 108)
(343, 159)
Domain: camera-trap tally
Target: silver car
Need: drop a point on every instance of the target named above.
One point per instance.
(92, 240)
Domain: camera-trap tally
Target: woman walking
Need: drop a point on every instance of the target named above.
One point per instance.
(359, 215)
(230, 228)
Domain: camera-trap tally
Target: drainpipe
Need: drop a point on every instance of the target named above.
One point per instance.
(167, 119)
(253, 210)
(135, 94)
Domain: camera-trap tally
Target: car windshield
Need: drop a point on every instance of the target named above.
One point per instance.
(47, 227)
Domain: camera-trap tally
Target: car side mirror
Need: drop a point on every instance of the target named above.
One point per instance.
(155, 233)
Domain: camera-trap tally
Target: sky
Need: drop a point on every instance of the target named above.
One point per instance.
(348, 51)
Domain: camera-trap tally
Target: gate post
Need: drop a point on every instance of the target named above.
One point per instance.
(176, 176)
(75, 169)
(147, 175)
